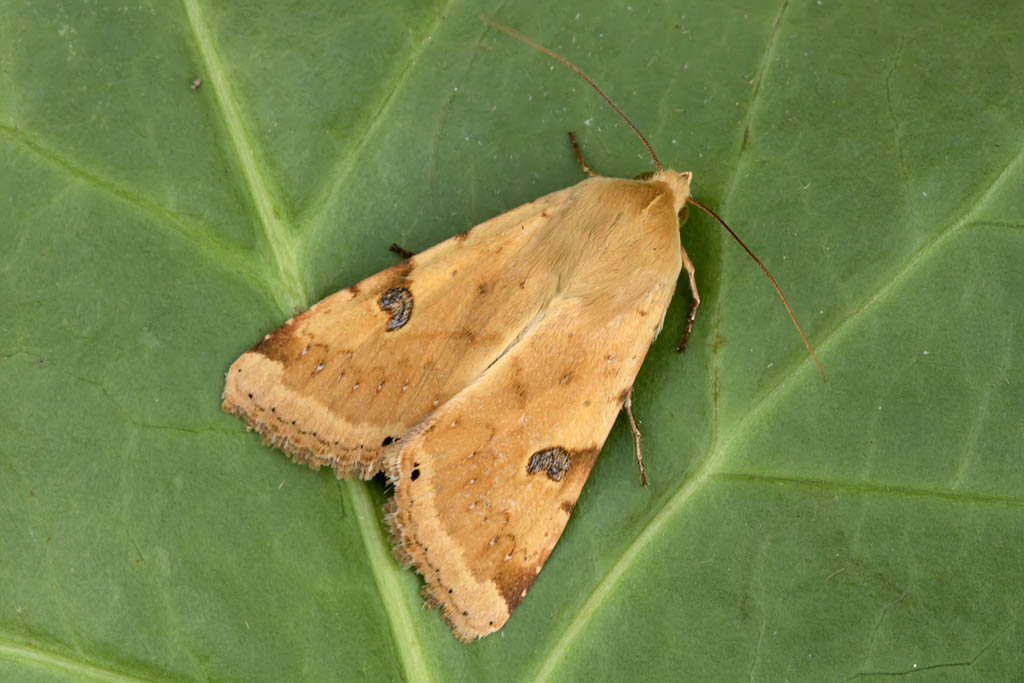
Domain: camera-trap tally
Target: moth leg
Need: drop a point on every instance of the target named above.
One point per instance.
(401, 251)
(688, 265)
(628, 405)
(579, 154)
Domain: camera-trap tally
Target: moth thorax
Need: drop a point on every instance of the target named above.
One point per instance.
(678, 182)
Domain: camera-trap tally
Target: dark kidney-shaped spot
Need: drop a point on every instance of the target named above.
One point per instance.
(398, 302)
(555, 461)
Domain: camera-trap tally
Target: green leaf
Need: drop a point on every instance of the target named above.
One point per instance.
(871, 154)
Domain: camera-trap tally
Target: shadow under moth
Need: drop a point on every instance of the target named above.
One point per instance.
(482, 376)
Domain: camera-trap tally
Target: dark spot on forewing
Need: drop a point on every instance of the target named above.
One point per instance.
(278, 344)
(397, 301)
(554, 461)
(271, 346)
(515, 591)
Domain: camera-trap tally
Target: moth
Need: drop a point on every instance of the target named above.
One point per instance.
(482, 377)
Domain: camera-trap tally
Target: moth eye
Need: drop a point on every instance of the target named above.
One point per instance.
(398, 302)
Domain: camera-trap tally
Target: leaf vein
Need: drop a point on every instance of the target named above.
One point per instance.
(291, 293)
(206, 245)
(874, 489)
(348, 161)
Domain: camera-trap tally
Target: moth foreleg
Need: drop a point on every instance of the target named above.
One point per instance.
(579, 154)
(400, 250)
(695, 301)
(628, 406)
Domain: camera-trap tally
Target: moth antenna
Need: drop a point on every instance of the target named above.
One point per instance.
(792, 316)
(579, 72)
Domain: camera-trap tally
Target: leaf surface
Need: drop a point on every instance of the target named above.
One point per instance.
(873, 157)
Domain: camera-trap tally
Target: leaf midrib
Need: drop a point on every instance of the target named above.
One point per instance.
(291, 292)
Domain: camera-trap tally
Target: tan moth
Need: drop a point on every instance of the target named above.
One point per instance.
(482, 376)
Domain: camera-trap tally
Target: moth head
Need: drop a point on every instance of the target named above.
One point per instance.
(679, 183)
